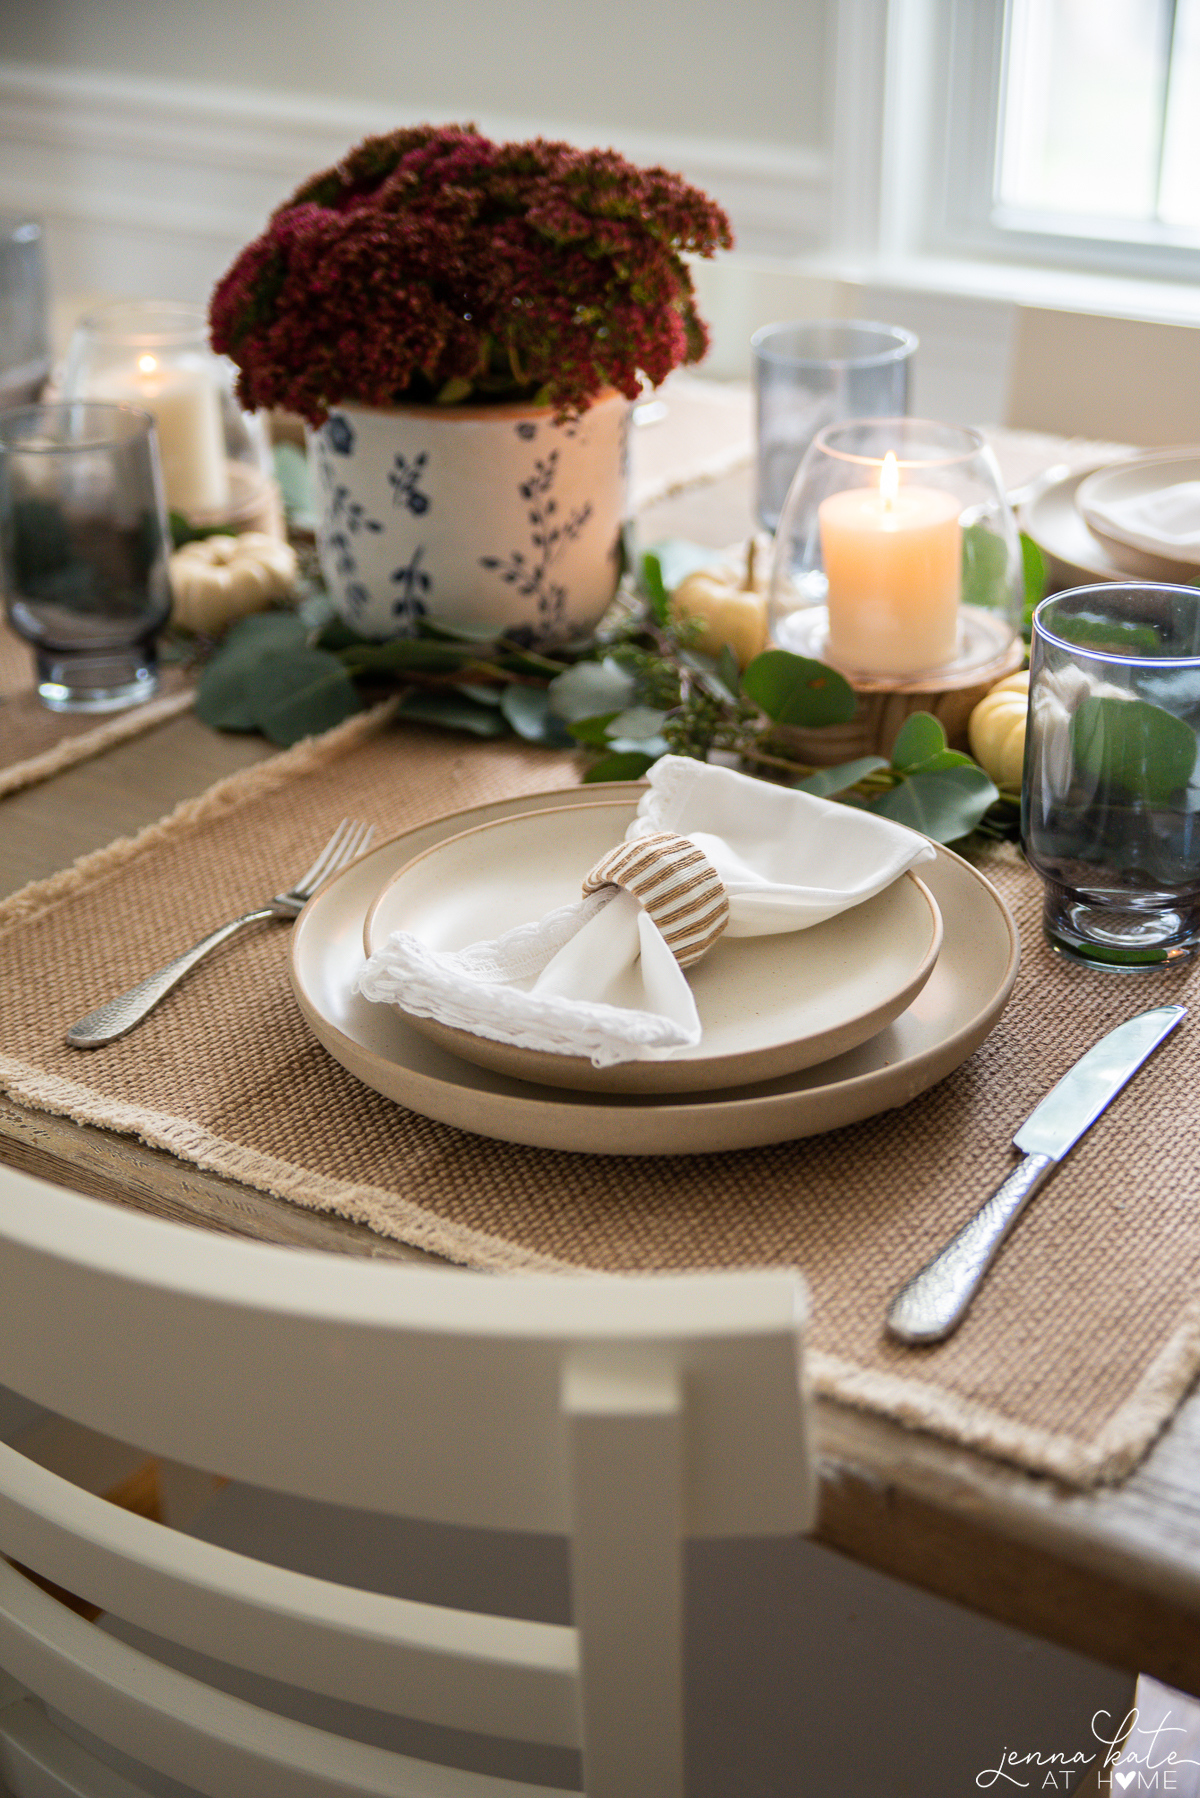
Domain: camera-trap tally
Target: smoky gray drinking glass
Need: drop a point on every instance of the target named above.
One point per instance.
(24, 312)
(84, 550)
(1110, 813)
(810, 375)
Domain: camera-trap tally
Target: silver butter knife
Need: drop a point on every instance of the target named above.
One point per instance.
(933, 1303)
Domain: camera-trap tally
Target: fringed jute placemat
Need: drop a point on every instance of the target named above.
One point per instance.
(1083, 1340)
(36, 743)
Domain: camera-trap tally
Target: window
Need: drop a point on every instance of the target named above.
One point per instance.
(1100, 120)
(1071, 133)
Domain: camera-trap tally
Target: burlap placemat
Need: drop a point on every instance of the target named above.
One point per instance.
(36, 743)
(1083, 1340)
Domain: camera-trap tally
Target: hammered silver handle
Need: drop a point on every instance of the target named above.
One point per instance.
(933, 1303)
(118, 1015)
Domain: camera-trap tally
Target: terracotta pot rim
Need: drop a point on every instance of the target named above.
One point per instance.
(502, 414)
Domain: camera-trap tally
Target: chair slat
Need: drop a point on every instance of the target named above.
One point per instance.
(223, 1746)
(500, 1676)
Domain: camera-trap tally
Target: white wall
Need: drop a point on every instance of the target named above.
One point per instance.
(683, 68)
(154, 139)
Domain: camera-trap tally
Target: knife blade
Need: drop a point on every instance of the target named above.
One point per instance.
(934, 1301)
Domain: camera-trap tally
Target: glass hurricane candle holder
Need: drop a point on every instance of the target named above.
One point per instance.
(897, 557)
(155, 355)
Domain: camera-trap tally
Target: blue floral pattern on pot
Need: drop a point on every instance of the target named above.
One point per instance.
(481, 517)
(405, 482)
(548, 535)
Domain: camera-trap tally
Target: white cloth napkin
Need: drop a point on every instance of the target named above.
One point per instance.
(788, 861)
(1169, 516)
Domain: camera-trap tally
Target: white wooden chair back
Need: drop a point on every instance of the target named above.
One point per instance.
(1116, 380)
(624, 1414)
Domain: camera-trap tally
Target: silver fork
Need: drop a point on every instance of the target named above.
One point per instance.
(118, 1015)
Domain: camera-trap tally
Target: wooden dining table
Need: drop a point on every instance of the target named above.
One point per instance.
(1113, 1572)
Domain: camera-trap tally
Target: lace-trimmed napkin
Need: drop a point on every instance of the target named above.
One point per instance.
(711, 851)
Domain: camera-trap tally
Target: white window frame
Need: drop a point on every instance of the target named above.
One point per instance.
(937, 90)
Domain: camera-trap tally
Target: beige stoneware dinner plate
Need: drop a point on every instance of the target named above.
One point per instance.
(768, 1005)
(1138, 552)
(958, 1005)
(1074, 557)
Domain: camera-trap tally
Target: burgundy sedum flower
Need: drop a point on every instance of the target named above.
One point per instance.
(435, 265)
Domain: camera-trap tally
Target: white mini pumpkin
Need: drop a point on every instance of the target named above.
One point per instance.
(996, 730)
(217, 580)
(731, 606)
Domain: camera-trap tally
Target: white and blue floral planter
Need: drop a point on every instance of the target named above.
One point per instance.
(481, 516)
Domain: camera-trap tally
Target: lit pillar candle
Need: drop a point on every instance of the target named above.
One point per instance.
(191, 439)
(893, 560)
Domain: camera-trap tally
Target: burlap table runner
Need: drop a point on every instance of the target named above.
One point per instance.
(36, 743)
(1083, 1340)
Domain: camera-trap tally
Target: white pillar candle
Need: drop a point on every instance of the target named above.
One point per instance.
(893, 560)
(191, 439)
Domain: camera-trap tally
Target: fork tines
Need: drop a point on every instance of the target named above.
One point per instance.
(348, 840)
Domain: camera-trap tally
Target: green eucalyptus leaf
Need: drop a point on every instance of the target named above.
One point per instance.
(228, 689)
(442, 631)
(648, 746)
(481, 694)
(628, 766)
(796, 690)
(655, 588)
(295, 482)
(263, 633)
(707, 670)
(528, 711)
(336, 635)
(592, 731)
(944, 758)
(984, 568)
(301, 694)
(226, 695)
(1092, 631)
(836, 780)
(589, 689)
(406, 652)
(728, 672)
(920, 737)
(1127, 743)
(454, 712)
(638, 721)
(944, 806)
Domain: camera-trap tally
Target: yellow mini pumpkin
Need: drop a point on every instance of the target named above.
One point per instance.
(217, 580)
(996, 730)
(730, 606)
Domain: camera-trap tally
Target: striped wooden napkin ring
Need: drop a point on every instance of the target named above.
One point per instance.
(676, 883)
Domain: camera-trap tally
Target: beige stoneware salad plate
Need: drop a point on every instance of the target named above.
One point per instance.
(768, 1005)
(954, 1011)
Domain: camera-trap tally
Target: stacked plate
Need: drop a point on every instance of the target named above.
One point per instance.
(803, 1032)
(1138, 518)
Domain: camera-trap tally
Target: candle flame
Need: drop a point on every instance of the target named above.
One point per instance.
(889, 480)
(147, 364)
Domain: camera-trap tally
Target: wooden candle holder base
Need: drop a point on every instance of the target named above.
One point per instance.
(883, 707)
